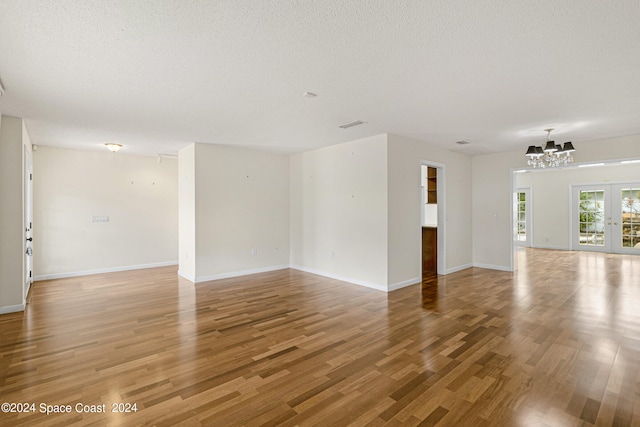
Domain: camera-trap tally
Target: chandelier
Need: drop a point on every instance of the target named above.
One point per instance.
(552, 155)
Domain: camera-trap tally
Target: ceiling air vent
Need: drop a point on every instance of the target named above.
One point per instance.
(351, 124)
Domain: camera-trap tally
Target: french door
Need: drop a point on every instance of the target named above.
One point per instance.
(522, 217)
(606, 218)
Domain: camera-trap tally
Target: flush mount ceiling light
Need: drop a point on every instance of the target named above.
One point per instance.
(552, 155)
(351, 124)
(113, 146)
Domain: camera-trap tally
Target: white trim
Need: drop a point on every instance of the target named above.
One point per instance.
(459, 268)
(553, 248)
(341, 278)
(404, 284)
(512, 243)
(301, 268)
(11, 309)
(27, 216)
(610, 162)
(103, 270)
(493, 267)
(234, 273)
(186, 276)
(571, 220)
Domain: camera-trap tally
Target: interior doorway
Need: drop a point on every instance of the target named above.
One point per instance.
(432, 194)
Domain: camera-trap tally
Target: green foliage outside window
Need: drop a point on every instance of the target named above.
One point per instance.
(590, 211)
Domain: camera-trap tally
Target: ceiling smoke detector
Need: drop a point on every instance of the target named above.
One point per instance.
(352, 124)
(309, 95)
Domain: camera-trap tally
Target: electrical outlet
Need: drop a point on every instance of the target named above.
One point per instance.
(254, 251)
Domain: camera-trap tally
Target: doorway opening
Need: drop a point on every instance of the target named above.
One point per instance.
(571, 211)
(522, 232)
(432, 195)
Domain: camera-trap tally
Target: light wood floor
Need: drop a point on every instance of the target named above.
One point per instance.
(556, 343)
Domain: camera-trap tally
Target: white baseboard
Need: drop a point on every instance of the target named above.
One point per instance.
(492, 267)
(341, 278)
(11, 308)
(232, 273)
(458, 268)
(404, 284)
(102, 270)
(186, 276)
(555, 248)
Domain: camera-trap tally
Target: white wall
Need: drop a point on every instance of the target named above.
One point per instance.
(550, 191)
(12, 243)
(138, 194)
(241, 203)
(491, 198)
(491, 205)
(339, 211)
(355, 210)
(187, 211)
(405, 250)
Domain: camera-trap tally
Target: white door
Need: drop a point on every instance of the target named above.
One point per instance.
(28, 221)
(606, 218)
(625, 213)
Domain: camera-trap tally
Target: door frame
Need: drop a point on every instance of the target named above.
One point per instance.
(441, 186)
(574, 233)
(616, 213)
(27, 223)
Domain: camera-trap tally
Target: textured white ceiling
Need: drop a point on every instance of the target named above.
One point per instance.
(156, 75)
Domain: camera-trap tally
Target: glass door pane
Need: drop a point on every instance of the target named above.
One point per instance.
(592, 215)
(626, 218)
(608, 218)
(522, 217)
(630, 218)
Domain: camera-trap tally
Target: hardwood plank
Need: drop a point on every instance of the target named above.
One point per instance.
(554, 343)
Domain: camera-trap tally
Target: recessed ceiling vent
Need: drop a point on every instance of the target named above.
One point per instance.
(352, 124)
